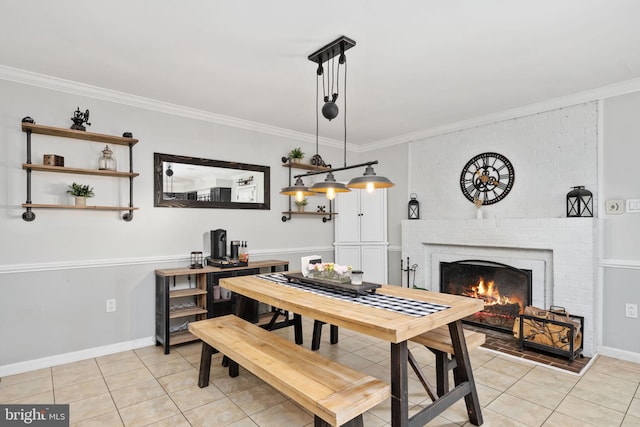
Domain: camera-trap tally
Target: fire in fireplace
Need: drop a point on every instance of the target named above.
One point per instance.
(506, 290)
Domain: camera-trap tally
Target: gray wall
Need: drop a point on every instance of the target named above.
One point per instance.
(621, 250)
(49, 306)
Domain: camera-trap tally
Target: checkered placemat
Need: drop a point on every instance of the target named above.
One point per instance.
(385, 302)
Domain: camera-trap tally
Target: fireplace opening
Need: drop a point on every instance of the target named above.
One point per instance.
(505, 290)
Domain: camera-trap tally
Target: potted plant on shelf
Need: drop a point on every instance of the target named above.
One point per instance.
(301, 204)
(81, 193)
(296, 155)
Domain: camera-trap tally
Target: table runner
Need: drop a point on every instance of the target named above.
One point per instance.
(386, 302)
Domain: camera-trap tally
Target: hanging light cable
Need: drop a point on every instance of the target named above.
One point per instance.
(330, 186)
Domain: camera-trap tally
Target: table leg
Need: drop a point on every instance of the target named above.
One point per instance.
(205, 365)
(462, 373)
(297, 328)
(399, 385)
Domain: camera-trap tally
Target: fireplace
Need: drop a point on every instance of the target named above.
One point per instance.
(506, 290)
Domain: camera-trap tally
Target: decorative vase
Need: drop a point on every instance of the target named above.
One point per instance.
(479, 214)
(81, 201)
(300, 208)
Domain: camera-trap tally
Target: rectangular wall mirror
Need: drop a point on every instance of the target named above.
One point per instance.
(191, 182)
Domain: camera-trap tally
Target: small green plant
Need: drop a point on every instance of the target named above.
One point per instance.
(79, 190)
(296, 153)
(302, 202)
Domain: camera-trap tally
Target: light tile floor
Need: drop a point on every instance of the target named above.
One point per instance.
(146, 387)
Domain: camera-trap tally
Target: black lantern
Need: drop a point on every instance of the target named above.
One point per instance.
(414, 207)
(579, 202)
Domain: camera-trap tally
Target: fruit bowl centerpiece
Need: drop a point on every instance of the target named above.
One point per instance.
(330, 271)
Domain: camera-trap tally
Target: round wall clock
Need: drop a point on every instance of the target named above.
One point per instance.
(487, 177)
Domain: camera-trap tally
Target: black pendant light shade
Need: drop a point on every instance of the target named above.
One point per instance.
(370, 180)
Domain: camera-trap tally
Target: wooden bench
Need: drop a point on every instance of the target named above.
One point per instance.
(337, 395)
(439, 342)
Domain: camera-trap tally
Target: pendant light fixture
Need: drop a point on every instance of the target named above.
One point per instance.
(329, 186)
(370, 181)
(325, 57)
(298, 190)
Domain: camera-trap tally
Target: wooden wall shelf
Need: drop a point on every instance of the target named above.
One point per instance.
(78, 171)
(95, 208)
(77, 134)
(29, 167)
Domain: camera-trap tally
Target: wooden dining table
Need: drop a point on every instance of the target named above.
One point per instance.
(391, 326)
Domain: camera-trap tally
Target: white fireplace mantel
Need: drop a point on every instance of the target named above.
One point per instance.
(567, 246)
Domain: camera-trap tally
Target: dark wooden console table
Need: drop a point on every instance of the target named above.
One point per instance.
(204, 305)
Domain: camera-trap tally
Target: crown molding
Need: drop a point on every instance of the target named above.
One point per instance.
(68, 86)
(616, 89)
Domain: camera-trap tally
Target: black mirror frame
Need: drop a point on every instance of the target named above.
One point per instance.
(159, 201)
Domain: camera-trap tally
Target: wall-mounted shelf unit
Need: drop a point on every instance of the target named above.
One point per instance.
(29, 127)
(287, 215)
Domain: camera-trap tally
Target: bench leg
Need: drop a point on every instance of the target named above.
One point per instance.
(205, 365)
(356, 422)
(334, 334)
(234, 369)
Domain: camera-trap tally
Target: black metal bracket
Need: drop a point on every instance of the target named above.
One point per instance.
(336, 47)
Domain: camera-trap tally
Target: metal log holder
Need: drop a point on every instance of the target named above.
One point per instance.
(572, 353)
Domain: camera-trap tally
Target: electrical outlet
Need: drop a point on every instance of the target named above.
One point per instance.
(613, 207)
(632, 310)
(111, 305)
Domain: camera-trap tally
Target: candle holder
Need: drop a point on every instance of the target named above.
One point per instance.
(196, 260)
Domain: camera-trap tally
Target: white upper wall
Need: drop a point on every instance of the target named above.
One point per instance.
(551, 152)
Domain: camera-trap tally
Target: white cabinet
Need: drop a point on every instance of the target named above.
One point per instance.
(361, 233)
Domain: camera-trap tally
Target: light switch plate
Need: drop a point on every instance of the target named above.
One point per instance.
(633, 205)
(615, 206)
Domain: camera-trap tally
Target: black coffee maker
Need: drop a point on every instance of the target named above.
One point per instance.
(219, 244)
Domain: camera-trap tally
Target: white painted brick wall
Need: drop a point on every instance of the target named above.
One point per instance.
(551, 152)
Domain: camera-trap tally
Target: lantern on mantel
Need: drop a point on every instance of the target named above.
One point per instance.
(414, 207)
(579, 202)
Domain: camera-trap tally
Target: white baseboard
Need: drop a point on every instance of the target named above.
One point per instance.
(629, 356)
(61, 359)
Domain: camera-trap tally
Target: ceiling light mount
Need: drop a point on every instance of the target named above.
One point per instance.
(331, 79)
(336, 47)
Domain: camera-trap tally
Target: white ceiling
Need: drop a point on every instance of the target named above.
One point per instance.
(417, 65)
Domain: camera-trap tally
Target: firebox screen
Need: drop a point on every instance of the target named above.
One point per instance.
(505, 290)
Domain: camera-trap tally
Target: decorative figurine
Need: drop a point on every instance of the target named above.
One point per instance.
(79, 118)
(321, 209)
